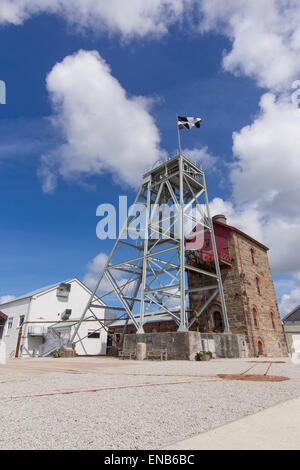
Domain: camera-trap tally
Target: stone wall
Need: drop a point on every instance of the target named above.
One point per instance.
(155, 327)
(233, 293)
(185, 345)
(262, 299)
(241, 297)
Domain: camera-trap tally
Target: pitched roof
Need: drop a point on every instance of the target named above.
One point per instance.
(234, 229)
(294, 315)
(42, 290)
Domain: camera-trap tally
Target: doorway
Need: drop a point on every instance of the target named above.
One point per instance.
(260, 348)
(218, 322)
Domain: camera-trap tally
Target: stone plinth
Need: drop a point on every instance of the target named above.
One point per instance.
(185, 345)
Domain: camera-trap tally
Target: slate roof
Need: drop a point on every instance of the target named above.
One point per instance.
(293, 316)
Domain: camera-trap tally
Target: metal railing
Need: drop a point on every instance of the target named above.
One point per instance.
(53, 342)
(37, 331)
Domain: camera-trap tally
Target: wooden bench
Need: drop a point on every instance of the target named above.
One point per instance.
(124, 354)
(161, 354)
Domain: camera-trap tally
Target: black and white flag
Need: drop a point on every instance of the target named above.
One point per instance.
(188, 122)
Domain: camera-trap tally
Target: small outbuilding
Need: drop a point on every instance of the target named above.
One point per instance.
(291, 324)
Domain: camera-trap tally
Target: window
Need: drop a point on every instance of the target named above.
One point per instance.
(255, 320)
(10, 323)
(252, 255)
(218, 321)
(21, 320)
(272, 320)
(93, 334)
(63, 290)
(257, 285)
(2, 323)
(66, 314)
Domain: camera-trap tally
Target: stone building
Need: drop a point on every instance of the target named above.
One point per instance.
(248, 288)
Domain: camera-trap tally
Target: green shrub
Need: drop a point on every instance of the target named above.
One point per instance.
(55, 354)
(200, 355)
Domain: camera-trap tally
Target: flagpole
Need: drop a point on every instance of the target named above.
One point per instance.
(178, 132)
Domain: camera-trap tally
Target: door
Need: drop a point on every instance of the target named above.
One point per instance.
(2, 323)
(260, 348)
(218, 322)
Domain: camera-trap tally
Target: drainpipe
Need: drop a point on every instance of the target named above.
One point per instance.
(19, 341)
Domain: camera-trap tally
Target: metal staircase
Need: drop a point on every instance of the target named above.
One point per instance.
(54, 340)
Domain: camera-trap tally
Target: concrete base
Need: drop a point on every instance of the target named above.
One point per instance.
(185, 344)
(67, 352)
(141, 351)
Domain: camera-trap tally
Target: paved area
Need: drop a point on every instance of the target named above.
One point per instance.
(105, 403)
(277, 428)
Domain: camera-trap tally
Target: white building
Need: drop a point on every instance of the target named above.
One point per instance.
(43, 320)
(291, 324)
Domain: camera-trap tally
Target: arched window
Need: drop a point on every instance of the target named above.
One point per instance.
(218, 321)
(272, 320)
(255, 317)
(257, 285)
(252, 255)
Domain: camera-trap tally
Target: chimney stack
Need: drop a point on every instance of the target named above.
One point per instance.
(220, 218)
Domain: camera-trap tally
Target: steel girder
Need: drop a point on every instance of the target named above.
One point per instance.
(147, 270)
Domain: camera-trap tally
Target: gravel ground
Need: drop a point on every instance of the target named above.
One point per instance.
(110, 404)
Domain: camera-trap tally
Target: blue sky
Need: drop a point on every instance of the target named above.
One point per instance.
(49, 235)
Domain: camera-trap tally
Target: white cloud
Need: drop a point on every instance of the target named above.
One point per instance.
(94, 269)
(280, 235)
(265, 38)
(265, 177)
(288, 291)
(6, 298)
(265, 180)
(202, 157)
(47, 176)
(135, 17)
(22, 137)
(267, 153)
(290, 301)
(103, 129)
(265, 35)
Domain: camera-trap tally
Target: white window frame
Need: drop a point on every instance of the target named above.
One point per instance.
(10, 324)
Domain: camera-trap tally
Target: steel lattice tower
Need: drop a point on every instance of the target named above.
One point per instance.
(146, 272)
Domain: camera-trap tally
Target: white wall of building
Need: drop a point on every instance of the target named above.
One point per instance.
(14, 310)
(296, 342)
(45, 309)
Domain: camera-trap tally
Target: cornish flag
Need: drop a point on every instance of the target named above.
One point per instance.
(188, 122)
